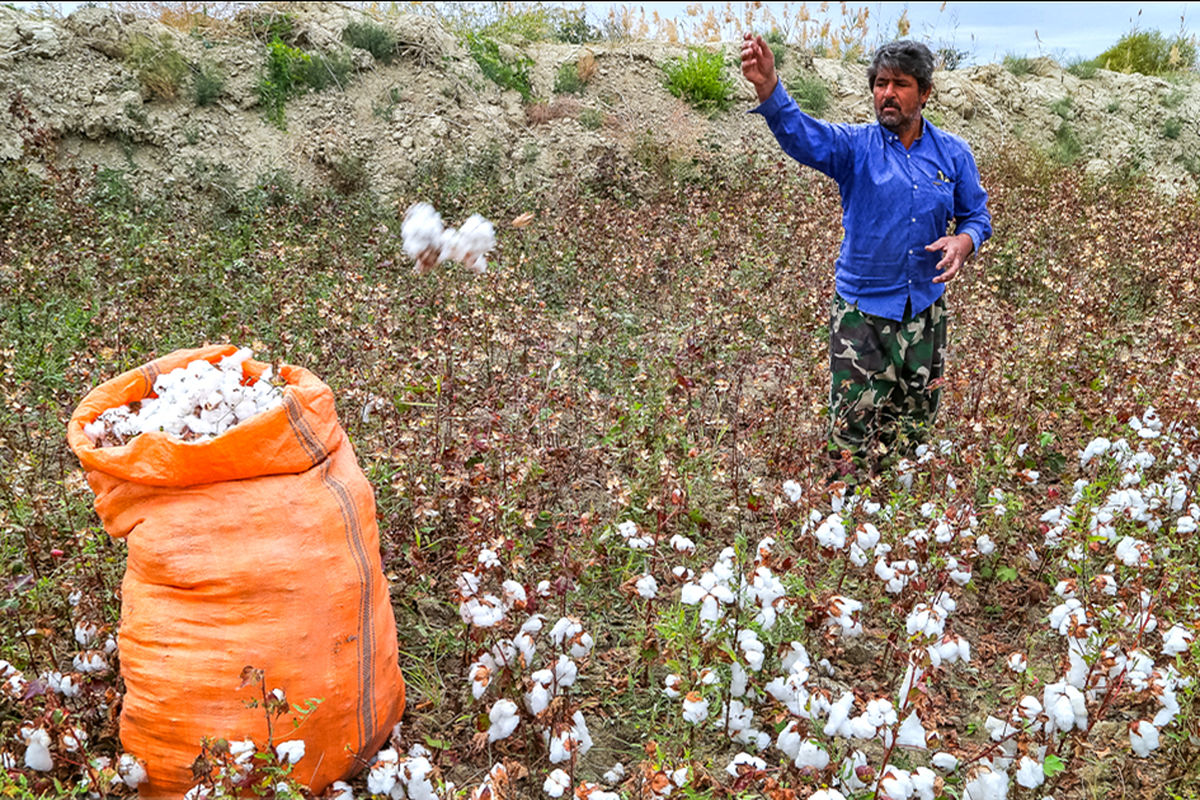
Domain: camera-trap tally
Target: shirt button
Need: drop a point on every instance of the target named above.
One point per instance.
(913, 219)
(910, 253)
(909, 155)
(910, 283)
(914, 186)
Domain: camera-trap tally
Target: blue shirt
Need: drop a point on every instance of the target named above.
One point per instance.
(894, 202)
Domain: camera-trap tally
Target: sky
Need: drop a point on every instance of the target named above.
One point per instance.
(985, 31)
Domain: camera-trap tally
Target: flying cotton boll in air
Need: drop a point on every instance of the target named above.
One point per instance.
(422, 233)
(476, 238)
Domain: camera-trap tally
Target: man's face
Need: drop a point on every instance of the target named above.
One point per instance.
(898, 101)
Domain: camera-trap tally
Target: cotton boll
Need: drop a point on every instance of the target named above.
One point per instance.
(557, 782)
(838, 723)
(616, 774)
(383, 774)
(810, 755)
(987, 784)
(695, 708)
(924, 783)
(744, 761)
(946, 762)
(1176, 640)
(477, 238)
(895, 784)
(504, 719)
(912, 733)
(1029, 773)
(1143, 738)
(290, 752)
(827, 794)
(422, 233)
(131, 771)
(37, 751)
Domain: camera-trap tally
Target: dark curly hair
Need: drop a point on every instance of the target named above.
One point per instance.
(904, 55)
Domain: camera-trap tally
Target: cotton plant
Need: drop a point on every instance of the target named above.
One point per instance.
(540, 658)
(429, 242)
(193, 403)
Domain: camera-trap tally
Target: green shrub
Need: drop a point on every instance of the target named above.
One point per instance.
(1083, 68)
(1172, 128)
(1066, 148)
(810, 93)
(571, 26)
(567, 81)
(290, 71)
(1173, 99)
(207, 84)
(951, 58)
(700, 79)
(1018, 65)
(1062, 107)
(158, 65)
(1150, 53)
(507, 72)
(375, 39)
(591, 118)
(775, 41)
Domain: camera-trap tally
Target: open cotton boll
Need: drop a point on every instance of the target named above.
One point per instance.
(944, 761)
(744, 761)
(912, 733)
(827, 794)
(476, 238)
(616, 774)
(290, 752)
(131, 771)
(695, 708)
(504, 718)
(422, 232)
(811, 755)
(37, 751)
(1143, 738)
(1176, 640)
(557, 782)
(1030, 773)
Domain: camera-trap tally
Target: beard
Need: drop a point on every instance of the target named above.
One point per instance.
(893, 121)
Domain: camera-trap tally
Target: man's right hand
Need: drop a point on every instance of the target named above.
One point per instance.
(758, 65)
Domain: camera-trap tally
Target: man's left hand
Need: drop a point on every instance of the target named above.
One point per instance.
(955, 250)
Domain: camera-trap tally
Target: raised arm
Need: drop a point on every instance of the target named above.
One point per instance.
(758, 65)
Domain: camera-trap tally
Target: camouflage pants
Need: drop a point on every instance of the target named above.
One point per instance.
(880, 372)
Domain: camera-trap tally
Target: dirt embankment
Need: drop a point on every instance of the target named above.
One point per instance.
(384, 123)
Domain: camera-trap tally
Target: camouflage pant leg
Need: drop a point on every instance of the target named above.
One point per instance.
(880, 375)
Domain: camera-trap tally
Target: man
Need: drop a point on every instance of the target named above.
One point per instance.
(903, 182)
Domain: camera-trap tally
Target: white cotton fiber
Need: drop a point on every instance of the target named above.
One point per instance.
(192, 403)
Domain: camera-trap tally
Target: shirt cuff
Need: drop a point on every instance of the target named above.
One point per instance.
(772, 105)
(974, 240)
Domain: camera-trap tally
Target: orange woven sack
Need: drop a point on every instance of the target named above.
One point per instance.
(258, 547)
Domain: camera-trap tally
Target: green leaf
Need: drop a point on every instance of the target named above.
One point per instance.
(1006, 574)
(1053, 765)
